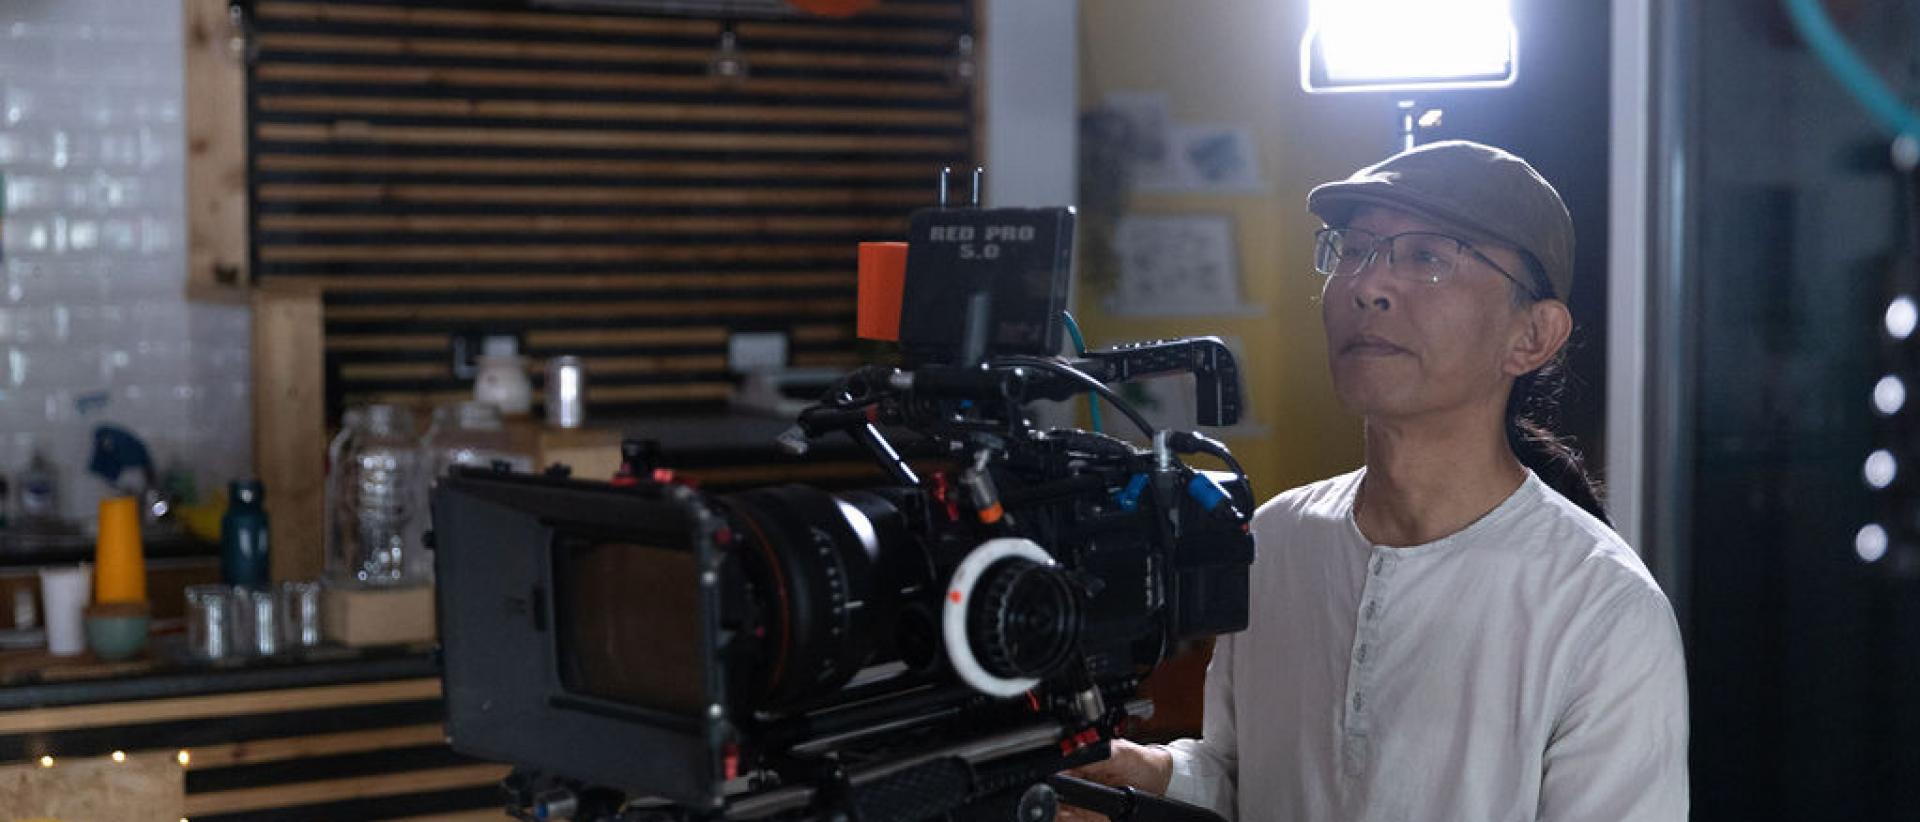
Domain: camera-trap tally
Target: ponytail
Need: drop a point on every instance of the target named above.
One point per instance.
(1549, 455)
(1530, 411)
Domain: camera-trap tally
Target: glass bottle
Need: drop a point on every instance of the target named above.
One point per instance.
(39, 490)
(375, 500)
(244, 543)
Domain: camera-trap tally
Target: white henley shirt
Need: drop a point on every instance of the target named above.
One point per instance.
(1524, 668)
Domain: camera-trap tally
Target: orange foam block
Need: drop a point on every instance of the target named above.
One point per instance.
(883, 279)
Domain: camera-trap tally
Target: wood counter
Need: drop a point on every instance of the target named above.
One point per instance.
(350, 738)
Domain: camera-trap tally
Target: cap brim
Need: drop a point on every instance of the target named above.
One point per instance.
(1335, 203)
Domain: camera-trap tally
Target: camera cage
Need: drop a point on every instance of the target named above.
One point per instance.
(510, 566)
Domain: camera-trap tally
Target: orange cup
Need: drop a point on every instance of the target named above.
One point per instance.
(120, 567)
(883, 280)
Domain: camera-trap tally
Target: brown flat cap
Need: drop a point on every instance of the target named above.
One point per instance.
(1477, 191)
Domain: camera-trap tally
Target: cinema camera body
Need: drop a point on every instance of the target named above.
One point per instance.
(934, 647)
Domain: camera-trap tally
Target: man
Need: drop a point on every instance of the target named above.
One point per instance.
(1441, 635)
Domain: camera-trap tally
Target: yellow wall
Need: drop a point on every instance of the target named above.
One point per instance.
(1236, 62)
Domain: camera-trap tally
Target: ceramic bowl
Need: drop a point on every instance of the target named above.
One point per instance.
(118, 630)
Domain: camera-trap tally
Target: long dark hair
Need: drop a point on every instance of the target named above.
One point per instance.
(1530, 413)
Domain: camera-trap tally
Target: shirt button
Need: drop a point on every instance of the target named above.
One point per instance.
(1373, 609)
(1363, 653)
(1358, 703)
(1379, 563)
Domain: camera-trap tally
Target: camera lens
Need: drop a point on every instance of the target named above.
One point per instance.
(827, 571)
(1025, 620)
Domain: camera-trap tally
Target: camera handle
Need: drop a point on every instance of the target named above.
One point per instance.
(1123, 804)
(1208, 359)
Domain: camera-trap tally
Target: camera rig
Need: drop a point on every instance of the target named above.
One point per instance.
(937, 646)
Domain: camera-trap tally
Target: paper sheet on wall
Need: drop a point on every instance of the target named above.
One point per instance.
(1176, 265)
(1208, 158)
(1180, 157)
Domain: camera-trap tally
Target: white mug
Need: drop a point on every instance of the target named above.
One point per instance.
(63, 595)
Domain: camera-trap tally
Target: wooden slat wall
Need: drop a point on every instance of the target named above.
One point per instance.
(374, 750)
(581, 180)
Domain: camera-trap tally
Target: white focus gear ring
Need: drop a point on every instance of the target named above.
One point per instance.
(953, 615)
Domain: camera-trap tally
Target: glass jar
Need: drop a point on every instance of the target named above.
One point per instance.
(376, 500)
(210, 619)
(471, 433)
(465, 434)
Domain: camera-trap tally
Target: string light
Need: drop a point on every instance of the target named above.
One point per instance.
(184, 758)
(46, 762)
(119, 756)
(1902, 315)
(1894, 529)
(1880, 469)
(1871, 543)
(1889, 395)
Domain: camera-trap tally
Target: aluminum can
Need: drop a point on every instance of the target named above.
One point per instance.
(566, 392)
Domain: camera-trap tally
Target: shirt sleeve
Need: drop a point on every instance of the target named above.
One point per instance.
(1205, 769)
(1618, 751)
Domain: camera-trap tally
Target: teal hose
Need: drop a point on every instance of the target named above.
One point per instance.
(1846, 66)
(1080, 345)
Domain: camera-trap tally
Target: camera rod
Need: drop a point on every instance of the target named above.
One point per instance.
(1122, 804)
(1043, 735)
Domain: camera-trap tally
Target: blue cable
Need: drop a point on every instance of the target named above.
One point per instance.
(1080, 345)
(1846, 66)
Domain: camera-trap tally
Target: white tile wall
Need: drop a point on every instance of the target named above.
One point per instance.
(94, 326)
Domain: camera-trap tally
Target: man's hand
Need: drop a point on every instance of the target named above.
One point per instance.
(1145, 767)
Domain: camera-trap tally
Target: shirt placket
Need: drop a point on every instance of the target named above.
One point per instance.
(1362, 660)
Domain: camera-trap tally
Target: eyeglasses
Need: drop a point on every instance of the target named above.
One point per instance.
(1413, 256)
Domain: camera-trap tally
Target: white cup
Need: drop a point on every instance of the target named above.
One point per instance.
(63, 596)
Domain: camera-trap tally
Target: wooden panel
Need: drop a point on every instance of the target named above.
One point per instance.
(216, 156)
(595, 24)
(415, 253)
(354, 132)
(143, 788)
(627, 336)
(563, 223)
(486, 815)
(335, 790)
(620, 309)
(680, 393)
(550, 283)
(645, 112)
(427, 46)
(301, 747)
(167, 580)
(579, 179)
(290, 425)
(202, 707)
(445, 77)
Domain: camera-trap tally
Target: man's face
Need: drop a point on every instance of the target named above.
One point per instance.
(1400, 348)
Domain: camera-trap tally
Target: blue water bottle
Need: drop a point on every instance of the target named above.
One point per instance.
(243, 536)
